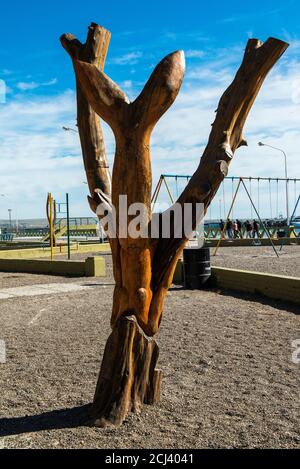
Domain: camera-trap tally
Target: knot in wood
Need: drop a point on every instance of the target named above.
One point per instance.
(222, 167)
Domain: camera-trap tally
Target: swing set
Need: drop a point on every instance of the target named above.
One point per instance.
(265, 228)
(295, 210)
(164, 178)
(241, 181)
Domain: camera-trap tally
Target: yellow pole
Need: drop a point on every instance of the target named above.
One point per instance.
(228, 217)
(51, 225)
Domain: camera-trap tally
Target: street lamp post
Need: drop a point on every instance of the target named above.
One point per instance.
(286, 177)
(9, 214)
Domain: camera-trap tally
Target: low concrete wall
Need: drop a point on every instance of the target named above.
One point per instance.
(91, 267)
(272, 286)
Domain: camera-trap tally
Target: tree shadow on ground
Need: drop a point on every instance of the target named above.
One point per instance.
(54, 420)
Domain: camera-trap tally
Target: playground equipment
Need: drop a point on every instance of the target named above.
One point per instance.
(144, 267)
(79, 227)
(51, 215)
(264, 193)
(242, 183)
(7, 237)
(66, 210)
(295, 221)
(55, 231)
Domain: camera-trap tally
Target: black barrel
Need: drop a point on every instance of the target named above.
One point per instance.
(197, 268)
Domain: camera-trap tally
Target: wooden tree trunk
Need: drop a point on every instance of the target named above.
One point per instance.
(144, 267)
(128, 377)
(94, 51)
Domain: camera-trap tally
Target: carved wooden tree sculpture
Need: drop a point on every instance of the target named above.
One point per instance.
(144, 267)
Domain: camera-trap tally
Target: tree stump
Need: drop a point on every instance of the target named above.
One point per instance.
(128, 376)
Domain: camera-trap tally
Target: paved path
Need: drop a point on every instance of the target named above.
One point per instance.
(46, 289)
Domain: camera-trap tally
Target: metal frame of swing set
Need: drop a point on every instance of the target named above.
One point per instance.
(162, 180)
(241, 182)
(295, 210)
(158, 188)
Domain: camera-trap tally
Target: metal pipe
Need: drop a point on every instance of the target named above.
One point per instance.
(68, 226)
(236, 178)
(261, 144)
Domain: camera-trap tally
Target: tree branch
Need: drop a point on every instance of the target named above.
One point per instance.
(160, 91)
(225, 138)
(93, 149)
(105, 96)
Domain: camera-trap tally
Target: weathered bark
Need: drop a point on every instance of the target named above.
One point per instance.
(132, 124)
(225, 138)
(128, 377)
(144, 267)
(94, 51)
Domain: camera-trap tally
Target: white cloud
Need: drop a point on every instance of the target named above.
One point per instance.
(180, 137)
(32, 85)
(37, 156)
(3, 91)
(5, 72)
(127, 84)
(194, 54)
(127, 59)
(24, 86)
(50, 82)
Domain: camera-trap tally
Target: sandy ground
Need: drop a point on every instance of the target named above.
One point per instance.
(229, 378)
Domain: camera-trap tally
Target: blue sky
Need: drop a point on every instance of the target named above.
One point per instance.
(37, 156)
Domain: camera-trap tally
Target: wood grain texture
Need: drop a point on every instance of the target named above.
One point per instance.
(132, 124)
(128, 376)
(225, 138)
(94, 51)
(144, 267)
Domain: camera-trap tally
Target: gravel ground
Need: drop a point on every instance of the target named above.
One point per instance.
(260, 259)
(229, 379)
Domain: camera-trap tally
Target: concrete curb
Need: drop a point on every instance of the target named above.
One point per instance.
(91, 267)
(272, 286)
